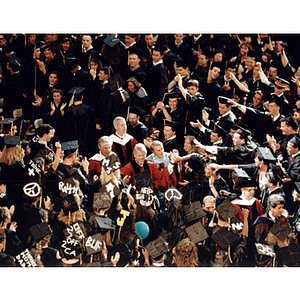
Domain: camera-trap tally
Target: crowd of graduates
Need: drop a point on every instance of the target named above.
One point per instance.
(149, 150)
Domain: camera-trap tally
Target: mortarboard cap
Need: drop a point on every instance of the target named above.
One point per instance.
(111, 41)
(168, 96)
(145, 197)
(244, 179)
(77, 91)
(93, 244)
(224, 237)
(243, 129)
(280, 229)
(189, 193)
(68, 186)
(69, 204)
(2, 234)
(14, 60)
(31, 190)
(136, 110)
(219, 130)
(69, 147)
(290, 254)
(40, 230)
(291, 122)
(197, 232)
(11, 140)
(101, 199)
(143, 179)
(111, 189)
(70, 248)
(174, 125)
(267, 155)
(110, 164)
(224, 100)
(295, 141)
(265, 249)
(193, 211)
(277, 101)
(8, 121)
(157, 247)
(105, 223)
(281, 83)
(252, 53)
(226, 210)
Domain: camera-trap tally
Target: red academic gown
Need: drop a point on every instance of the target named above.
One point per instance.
(162, 179)
(95, 166)
(123, 147)
(254, 207)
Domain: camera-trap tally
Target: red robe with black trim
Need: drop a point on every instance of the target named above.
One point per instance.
(123, 147)
(162, 179)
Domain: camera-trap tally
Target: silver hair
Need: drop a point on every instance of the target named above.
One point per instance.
(156, 143)
(116, 119)
(274, 200)
(104, 140)
(139, 147)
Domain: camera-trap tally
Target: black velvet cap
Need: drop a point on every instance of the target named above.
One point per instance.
(226, 210)
(157, 247)
(197, 233)
(193, 211)
(280, 229)
(224, 237)
(39, 231)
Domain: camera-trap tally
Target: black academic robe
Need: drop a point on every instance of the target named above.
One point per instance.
(139, 98)
(80, 125)
(224, 121)
(219, 184)
(86, 58)
(138, 73)
(283, 144)
(139, 131)
(171, 144)
(157, 82)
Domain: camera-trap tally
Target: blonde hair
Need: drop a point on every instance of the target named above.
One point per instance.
(10, 155)
(114, 176)
(186, 254)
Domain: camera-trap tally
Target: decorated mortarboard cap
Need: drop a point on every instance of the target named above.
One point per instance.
(105, 223)
(295, 141)
(158, 247)
(31, 191)
(101, 199)
(136, 110)
(93, 244)
(143, 179)
(193, 211)
(15, 60)
(281, 83)
(111, 189)
(40, 230)
(224, 237)
(280, 229)
(172, 194)
(145, 196)
(2, 234)
(111, 41)
(68, 204)
(290, 254)
(12, 140)
(68, 186)
(226, 210)
(110, 164)
(197, 233)
(265, 249)
(70, 248)
(267, 155)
